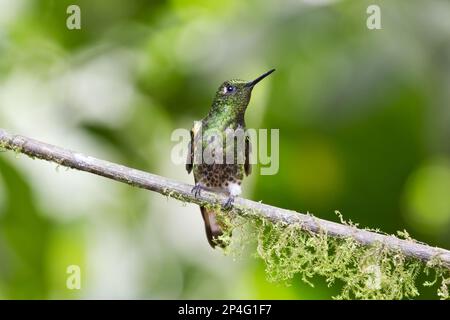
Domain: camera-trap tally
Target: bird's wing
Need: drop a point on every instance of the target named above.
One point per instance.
(190, 155)
(247, 164)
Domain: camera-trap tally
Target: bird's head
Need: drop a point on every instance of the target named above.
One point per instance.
(234, 95)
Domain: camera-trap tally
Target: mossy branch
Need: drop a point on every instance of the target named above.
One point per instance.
(181, 191)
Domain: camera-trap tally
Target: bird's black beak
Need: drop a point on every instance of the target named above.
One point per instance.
(251, 84)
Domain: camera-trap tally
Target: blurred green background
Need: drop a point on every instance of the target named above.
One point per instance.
(364, 121)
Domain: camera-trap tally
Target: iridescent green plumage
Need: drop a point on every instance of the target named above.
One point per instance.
(225, 116)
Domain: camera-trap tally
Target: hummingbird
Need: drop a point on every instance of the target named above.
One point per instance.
(226, 113)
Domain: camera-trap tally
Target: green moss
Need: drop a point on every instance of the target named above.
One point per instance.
(362, 272)
(17, 150)
(441, 278)
(3, 147)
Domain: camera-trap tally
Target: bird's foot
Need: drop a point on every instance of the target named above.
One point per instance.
(197, 189)
(229, 203)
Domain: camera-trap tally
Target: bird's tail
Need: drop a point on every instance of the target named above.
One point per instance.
(212, 227)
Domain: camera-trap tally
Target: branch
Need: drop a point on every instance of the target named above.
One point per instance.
(181, 191)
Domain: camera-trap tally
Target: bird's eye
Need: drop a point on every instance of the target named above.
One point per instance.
(230, 88)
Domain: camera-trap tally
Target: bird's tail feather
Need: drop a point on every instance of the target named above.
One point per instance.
(212, 227)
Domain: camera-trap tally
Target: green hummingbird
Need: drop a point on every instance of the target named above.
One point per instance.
(226, 113)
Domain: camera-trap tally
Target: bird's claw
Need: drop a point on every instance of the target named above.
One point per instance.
(197, 189)
(229, 203)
